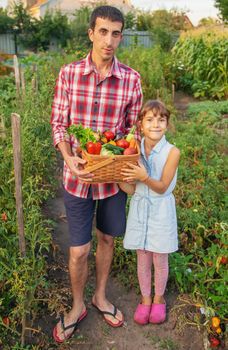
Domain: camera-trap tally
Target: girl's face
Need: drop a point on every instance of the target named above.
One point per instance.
(153, 127)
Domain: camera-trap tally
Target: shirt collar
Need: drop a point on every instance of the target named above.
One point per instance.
(115, 69)
(157, 148)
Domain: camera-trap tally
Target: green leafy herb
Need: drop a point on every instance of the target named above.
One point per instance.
(83, 135)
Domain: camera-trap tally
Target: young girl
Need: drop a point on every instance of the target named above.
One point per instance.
(152, 225)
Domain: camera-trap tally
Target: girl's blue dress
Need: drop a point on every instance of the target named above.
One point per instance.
(152, 222)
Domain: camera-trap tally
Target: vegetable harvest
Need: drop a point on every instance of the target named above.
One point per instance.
(105, 144)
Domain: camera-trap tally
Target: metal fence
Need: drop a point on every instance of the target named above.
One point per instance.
(7, 43)
(130, 38)
(137, 38)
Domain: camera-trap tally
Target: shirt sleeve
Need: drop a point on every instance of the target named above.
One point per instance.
(60, 110)
(134, 108)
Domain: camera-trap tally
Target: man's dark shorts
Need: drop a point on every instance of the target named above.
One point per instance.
(110, 216)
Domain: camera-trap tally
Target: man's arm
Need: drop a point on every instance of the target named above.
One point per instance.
(60, 110)
(59, 123)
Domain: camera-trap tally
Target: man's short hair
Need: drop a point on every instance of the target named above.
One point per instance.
(109, 12)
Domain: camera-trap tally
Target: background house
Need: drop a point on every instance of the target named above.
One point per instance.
(37, 8)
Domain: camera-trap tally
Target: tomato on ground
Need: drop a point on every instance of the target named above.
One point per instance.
(4, 216)
(214, 342)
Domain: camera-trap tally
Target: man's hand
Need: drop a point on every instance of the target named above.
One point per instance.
(76, 166)
(75, 163)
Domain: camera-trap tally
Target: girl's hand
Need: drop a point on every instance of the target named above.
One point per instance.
(134, 172)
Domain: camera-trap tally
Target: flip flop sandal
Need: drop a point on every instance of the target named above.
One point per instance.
(64, 328)
(113, 314)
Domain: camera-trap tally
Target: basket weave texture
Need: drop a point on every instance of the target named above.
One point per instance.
(107, 169)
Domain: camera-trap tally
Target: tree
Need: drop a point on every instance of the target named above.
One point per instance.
(144, 20)
(165, 27)
(23, 22)
(222, 5)
(208, 21)
(80, 26)
(6, 22)
(53, 26)
(130, 20)
(36, 34)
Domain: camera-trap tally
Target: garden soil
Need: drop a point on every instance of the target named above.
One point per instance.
(177, 333)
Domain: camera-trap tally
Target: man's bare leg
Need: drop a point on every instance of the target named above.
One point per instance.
(104, 255)
(78, 269)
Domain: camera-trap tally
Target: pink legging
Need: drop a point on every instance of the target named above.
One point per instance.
(161, 271)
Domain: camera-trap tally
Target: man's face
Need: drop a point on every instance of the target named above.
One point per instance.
(105, 37)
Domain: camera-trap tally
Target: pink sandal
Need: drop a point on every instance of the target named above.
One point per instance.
(142, 314)
(157, 313)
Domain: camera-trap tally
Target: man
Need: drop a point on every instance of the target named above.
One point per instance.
(101, 93)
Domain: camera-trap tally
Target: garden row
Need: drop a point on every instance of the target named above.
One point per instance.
(22, 277)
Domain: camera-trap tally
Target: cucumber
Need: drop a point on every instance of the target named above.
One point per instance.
(115, 149)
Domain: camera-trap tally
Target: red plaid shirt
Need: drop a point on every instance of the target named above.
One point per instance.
(81, 96)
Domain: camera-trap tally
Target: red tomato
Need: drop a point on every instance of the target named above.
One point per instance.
(4, 216)
(214, 342)
(223, 260)
(98, 147)
(109, 135)
(122, 143)
(6, 321)
(93, 147)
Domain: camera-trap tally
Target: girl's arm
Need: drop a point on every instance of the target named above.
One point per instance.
(126, 187)
(134, 173)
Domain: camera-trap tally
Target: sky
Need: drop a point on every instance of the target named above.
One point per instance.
(196, 9)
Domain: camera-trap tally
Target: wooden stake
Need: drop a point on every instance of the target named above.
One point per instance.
(16, 133)
(23, 82)
(173, 91)
(35, 79)
(34, 84)
(17, 74)
(23, 329)
(2, 128)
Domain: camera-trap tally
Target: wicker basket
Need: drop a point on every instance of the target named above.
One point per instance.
(107, 169)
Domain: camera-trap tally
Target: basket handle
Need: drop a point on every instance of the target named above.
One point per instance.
(100, 164)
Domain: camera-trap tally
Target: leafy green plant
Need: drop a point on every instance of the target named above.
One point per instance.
(200, 63)
(20, 278)
(153, 66)
(202, 205)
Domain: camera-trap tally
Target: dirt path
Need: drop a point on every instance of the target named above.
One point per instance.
(181, 101)
(93, 332)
